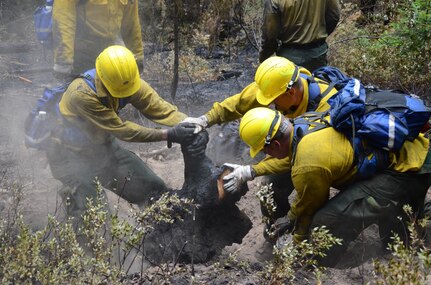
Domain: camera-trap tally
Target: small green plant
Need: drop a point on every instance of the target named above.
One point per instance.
(58, 254)
(291, 258)
(232, 261)
(411, 263)
(266, 198)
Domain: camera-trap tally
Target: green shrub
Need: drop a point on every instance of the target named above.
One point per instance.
(410, 264)
(60, 255)
(396, 55)
(290, 258)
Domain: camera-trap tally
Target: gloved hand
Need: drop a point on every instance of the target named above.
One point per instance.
(180, 133)
(63, 72)
(201, 122)
(239, 175)
(281, 226)
(198, 145)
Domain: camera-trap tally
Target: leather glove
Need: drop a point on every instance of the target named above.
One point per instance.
(281, 226)
(201, 122)
(180, 133)
(63, 72)
(239, 175)
(198, 145)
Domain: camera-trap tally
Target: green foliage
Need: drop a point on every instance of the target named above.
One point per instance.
(410, 264)
(58, 254)
(396, 55)
(266, 198)
(291, 258)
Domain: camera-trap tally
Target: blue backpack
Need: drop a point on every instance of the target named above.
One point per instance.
(43, 23)
(330, 75)
(45, 119)
(375, 121)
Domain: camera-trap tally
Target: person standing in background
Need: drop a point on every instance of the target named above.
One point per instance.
(82, 29)
(297, 30)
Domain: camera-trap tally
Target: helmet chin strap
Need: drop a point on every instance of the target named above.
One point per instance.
(271, 128)
(293, 79)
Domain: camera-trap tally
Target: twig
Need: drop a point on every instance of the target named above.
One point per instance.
(179, 254)
(24, 79)
(355, 38)
(193, 240)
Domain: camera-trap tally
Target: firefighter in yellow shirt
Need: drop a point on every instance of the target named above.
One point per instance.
(82, 29)
(293, 91)
(86, 145)
(324, 159)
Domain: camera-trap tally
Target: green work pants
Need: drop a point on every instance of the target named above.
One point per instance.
(378, 200)
(116, 168)
(309, 57)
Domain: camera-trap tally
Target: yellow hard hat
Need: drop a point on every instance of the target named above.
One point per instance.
(258, 127)
(117, 69)
(274, 76)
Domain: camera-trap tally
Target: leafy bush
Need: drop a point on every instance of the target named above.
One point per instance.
(290, 258)
(59, 255)
(391, 51)
(410, 264)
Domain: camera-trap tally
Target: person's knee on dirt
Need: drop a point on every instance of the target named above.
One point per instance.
(316, 169)
(278, 82)
(94, 113)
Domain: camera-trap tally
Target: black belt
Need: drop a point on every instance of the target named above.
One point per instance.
(302, 46)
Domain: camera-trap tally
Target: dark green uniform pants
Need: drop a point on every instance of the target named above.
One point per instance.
(116, 168)
(378, 200)
(309, 57)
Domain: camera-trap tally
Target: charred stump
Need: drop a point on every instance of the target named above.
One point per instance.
(215, 224)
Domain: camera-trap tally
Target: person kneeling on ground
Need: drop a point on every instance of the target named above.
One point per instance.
(86, 147)
(293, 91)
(325, 159)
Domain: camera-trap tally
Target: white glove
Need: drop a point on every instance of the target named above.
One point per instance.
(200, 122)
(239, 175)
(63, 68)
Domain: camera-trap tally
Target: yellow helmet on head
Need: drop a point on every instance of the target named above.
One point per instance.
(258, 127)
(275, 76)
(117, 69)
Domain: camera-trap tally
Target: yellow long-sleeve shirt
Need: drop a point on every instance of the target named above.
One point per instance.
(95, 23)
(81, 106)
(331, 164)
(297, 22)
(236, 106)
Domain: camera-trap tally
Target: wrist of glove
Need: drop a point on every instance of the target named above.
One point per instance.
(180, 133)
(201, 122)
(197, 146)
(63, 68)
(281, 226)
(239, 175)
(63, 72)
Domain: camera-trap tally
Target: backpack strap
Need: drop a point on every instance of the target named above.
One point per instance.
(89, 76)
(305, 124)
(314, 94)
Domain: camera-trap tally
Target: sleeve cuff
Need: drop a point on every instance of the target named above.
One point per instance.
(63, 68)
